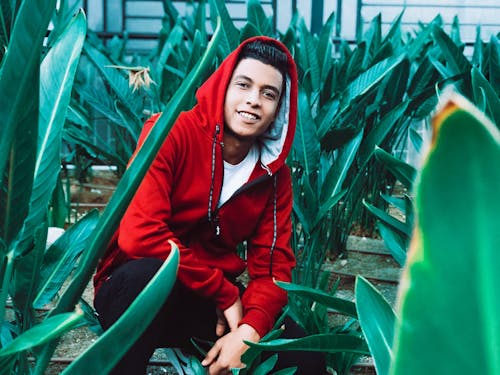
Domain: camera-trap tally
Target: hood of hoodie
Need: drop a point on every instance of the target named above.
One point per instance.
(276, 142)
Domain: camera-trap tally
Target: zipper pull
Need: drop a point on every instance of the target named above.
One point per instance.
(216, 225)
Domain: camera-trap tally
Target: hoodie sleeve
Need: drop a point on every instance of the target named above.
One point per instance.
(263, 300)
(144, 230)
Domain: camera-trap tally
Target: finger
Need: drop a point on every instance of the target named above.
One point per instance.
(211, 355)
(220, 328)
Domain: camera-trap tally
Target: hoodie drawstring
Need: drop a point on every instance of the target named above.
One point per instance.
(212, 182)
(275, 226)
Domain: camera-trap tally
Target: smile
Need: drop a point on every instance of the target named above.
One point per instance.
(248, 116)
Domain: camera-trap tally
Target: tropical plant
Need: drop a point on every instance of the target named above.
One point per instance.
(464, 149)
(476, 79)
(29, 164)
(31, 276)
(125, 90)
(453, 249)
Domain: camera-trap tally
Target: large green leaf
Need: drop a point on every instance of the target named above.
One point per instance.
(309, 57)
(404, 172)
(481, 85)
(368, 79)
(335, 177)
(5, 24)
(338, 304)
(454, 253)
(455, 59)
(377, 320)
(26, 275)
(125, 190)
(106, 351)
(380, 131)
(16, 184)
(230, 34)
(114, 78)
(325, 46)
(327, 343)
(47, 330)
(394, 241)
(258, 17)
(60, 259)
(20, 65)
(389, 220)
(57, 72)
(494, 66)
(306, 143)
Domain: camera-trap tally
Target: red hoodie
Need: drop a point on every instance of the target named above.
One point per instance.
(178, 200)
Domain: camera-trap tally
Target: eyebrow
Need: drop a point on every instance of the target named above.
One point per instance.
(269, 87)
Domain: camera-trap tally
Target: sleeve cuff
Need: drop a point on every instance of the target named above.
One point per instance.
(259, 320)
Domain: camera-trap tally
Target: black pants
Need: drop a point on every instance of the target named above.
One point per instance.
(183, 316)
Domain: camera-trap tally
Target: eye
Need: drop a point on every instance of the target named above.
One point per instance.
(241, 84)
(270, 95)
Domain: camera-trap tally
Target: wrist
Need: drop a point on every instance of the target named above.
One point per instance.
(249, 332)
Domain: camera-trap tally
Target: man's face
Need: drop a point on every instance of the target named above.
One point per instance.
(252, 99)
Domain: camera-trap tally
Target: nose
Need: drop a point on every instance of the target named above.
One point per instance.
(253, 97)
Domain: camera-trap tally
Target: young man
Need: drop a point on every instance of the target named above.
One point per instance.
(219, 180)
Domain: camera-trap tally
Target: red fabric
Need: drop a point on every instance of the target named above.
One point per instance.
(172, 204)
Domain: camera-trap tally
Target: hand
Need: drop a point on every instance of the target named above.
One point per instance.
(229, 318)
(227, 351)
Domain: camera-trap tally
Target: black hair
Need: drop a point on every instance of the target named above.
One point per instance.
(266, 52)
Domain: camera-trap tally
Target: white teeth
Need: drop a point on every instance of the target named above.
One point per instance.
(248, 116)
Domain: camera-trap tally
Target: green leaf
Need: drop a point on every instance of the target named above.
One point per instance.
(370, 78)
(336, 176)
(41, 333)
(16, 184)
(388, 219)
(456, 62)
(266, 366)
(377, 320)
(338, 304)
(477, 56)
(454, 252)
(309, 56)
(286, 371)
(494, 52)
(60, 259)
(257, 17)
(230, 34)
(106, 351)
(27, 273)
(327, 343)
(306, 143)
(114, 78)
(480, 86)
(19, 65)
(57, 72)
(125, 190)
(325, 46)
(404, 172)
(380, 131)
(394, 34)
(394, 241)
(337, 137)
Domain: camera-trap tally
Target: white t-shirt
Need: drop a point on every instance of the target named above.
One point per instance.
(235, 175)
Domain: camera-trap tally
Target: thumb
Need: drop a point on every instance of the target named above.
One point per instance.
(221, 326)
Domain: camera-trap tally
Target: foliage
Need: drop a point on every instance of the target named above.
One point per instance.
(453, 252)
(451, 246)
(358, 104)
(31, 275)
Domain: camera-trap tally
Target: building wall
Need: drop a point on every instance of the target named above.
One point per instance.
(144, 17)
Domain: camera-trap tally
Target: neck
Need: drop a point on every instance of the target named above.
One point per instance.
(235, 149)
